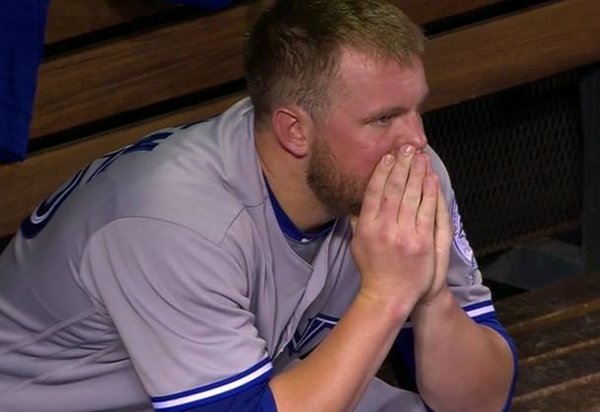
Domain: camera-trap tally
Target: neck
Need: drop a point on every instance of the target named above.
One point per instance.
(286, 175)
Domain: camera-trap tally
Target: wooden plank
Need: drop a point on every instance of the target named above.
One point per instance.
(513, 50)
(43, 172)
(542, 344)
(141, 70)
(557, 333)
(147, 68)
(578, 396)
(558, 370)
(421, 12)
(564, 299)
(70, 18)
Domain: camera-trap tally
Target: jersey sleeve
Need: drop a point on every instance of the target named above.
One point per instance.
(180, 306)
(465, 281)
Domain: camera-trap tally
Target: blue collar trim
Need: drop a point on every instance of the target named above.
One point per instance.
(289, 228)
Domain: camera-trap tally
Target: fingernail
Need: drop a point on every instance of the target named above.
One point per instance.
(407, 150)
(388, 159)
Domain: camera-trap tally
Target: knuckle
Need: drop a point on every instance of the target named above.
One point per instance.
(387, 236)
(415, 247)
(412, 198)
(394, 187)
(371, 191)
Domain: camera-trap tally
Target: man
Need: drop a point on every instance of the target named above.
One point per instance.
(266, 259)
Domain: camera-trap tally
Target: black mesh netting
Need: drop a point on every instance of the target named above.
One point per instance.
(515, 159)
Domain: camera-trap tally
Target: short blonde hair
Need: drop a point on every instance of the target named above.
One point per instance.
(292, 53)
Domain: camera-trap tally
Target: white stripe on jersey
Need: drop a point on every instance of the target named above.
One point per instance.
(480, 308)
(473, 313)
(158, 405)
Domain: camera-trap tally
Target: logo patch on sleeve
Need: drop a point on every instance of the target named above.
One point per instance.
(461, 244)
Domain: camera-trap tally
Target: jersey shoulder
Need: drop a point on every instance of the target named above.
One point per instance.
(200, 176)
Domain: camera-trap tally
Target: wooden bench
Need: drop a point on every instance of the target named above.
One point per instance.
(98, 96)
(557, 333)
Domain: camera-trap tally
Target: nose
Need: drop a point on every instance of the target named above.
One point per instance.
(413, 133)
(418, 140)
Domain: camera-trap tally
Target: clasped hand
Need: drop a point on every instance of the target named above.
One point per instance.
(402, 236)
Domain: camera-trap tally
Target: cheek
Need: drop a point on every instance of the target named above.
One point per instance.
(371, 154)
(359, 151)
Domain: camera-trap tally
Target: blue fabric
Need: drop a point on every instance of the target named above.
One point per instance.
(22, 25)
(495, 324)
(235, 393)
(257, 398)
(408, 371)
(205, 4)
(289, 228)
(405, 345)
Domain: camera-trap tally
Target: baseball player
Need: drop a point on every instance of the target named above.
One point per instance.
(267, 259)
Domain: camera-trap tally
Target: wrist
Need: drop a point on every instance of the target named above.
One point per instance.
(395, 306)
(437, 305)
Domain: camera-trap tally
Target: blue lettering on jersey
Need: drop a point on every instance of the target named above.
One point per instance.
(315, 326)
(147, 144)
(40, 217)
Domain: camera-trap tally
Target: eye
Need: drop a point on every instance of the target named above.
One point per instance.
(382, 121)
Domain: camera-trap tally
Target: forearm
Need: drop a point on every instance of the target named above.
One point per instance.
(336, 374)
(461, 366)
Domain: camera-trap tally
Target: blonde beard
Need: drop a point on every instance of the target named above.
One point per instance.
(340, 193)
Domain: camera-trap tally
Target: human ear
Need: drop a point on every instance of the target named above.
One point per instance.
(290, 125)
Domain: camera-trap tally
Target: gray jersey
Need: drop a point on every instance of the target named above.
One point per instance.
(159, 274)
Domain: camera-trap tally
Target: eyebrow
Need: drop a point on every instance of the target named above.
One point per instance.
(387, 112)
(395, 110)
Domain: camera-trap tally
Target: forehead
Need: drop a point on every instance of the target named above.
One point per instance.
(372, 80)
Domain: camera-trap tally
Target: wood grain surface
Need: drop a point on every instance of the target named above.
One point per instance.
(557, 333)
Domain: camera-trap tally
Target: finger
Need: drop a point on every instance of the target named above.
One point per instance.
(411, 199)
(374, 191)
(396, 184)
(426, 215)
